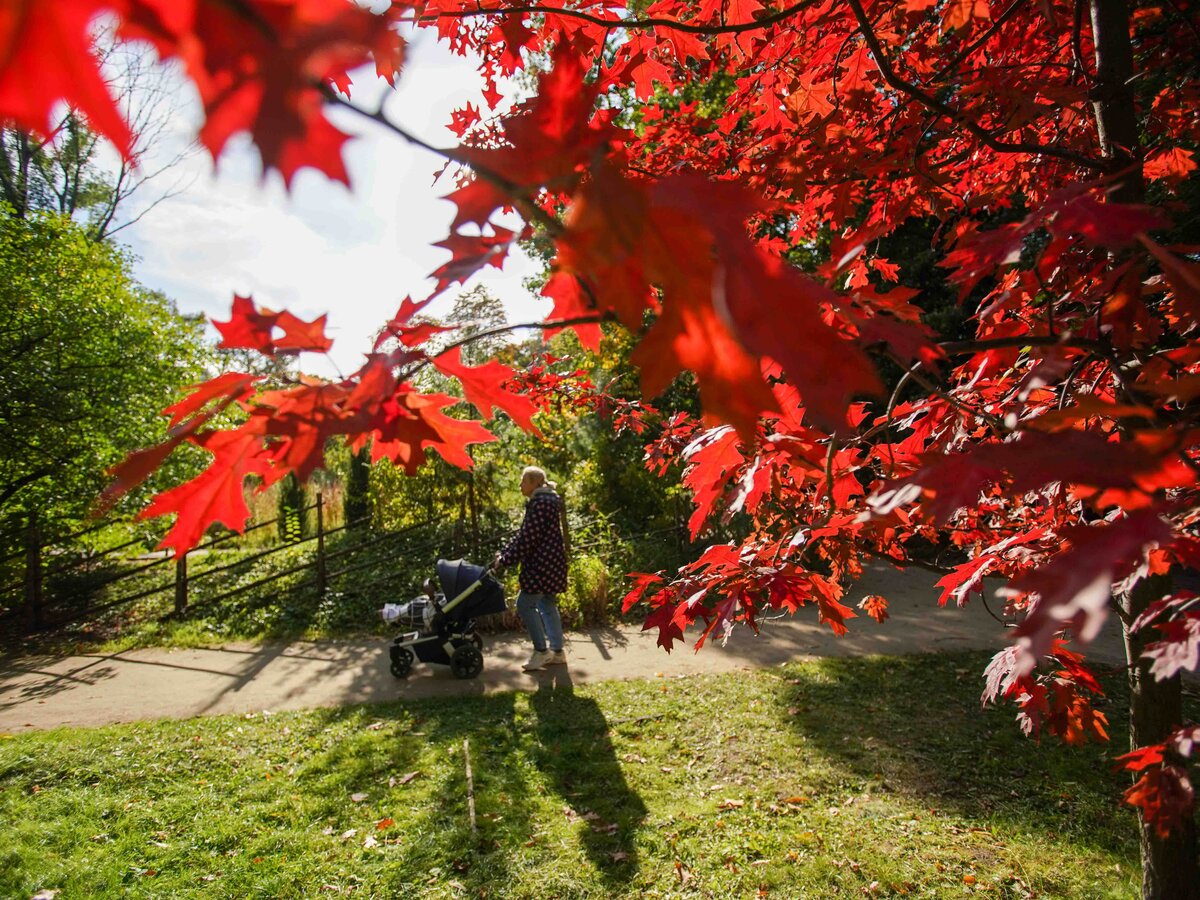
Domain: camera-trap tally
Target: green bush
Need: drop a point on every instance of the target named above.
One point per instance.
(589, 586)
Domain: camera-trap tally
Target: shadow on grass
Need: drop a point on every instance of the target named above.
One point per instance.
(576, 752)
(913, 725)
(558, 748)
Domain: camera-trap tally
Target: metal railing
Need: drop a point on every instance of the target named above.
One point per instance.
(204, 577)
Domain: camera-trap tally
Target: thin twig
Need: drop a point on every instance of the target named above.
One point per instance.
(470, 785)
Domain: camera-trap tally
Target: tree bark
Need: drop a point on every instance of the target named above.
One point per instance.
(1169, 867)
(1113, 101)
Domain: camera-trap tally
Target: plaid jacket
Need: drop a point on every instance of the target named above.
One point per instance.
(539, 546)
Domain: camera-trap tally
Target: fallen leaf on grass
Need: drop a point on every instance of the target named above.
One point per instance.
(968, 879)
(793, 710)
(349, 833)
(369, 842)
(682, 873)
(384, 823)
(358, 798)
(618, 856)
(374, 726)
(403, 779)
(729, 803)
(48, 894)
(798, 798)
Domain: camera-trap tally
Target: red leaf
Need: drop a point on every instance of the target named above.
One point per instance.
(642, 581)
(1109, 225)
(141, 464)
(1075, 587)
(231, 387)
(1178, 649)
(247, 328)
(258, 66)
(875, 607)
(570, 301)
(669, 631)
(299, 335)
(713, 459)
(46, 56)
(251, 328)
(1165, 796)
(833, 613)
(469, 254)
(1171, 164)
(215, 495)
(485, 387)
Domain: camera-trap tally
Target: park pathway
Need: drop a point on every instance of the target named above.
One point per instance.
(100, 689)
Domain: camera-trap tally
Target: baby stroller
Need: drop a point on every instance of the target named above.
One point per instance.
(444, 629)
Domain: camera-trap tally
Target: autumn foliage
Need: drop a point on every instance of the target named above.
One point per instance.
(683, 157)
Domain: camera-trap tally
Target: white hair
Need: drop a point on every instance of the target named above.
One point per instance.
(538, 474)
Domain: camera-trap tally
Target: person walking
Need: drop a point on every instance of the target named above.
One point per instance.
(540, 548)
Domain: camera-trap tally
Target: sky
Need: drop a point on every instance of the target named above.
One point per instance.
(354, 254)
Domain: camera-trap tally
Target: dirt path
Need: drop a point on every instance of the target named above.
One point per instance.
(100, 689)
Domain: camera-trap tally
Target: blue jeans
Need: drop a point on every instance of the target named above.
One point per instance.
(539, 612)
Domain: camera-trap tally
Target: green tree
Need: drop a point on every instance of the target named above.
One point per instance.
(88, 359)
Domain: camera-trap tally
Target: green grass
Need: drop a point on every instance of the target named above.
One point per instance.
(839, 778)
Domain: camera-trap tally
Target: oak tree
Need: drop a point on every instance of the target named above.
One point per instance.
(1047, 144)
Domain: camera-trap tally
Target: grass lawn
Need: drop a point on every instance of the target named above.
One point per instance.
(841, 778)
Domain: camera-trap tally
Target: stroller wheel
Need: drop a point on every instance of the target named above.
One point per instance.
(466, 662)
(402, 660)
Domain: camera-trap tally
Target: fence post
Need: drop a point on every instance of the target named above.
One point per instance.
(181, 584)
(321, 571)
(33, 576)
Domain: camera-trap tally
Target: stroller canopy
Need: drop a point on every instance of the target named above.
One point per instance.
(456, 575)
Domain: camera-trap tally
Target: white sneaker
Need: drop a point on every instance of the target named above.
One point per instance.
(555, 658)
(537, 662)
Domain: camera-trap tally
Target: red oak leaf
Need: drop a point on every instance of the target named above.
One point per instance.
(260, 65)
(669, 630)
(1074, 589)
(485, 387)
(139, 465)
(252, 328)
(1178, 649)
(1165, 795)
(216, 494)
(874, 606)
(46, 56)
(570, 301)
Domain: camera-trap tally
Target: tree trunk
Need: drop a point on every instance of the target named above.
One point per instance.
(1169, 867)
(1112, 99)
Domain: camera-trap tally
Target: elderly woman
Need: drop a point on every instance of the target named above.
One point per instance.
(540, 548)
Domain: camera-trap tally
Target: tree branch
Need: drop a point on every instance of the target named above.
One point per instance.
(932, 103)
(962, 348)
(635, 24)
